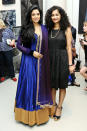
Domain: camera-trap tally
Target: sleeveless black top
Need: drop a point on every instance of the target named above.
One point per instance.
(58, 59)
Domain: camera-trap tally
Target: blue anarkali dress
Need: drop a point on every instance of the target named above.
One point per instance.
(33, 94)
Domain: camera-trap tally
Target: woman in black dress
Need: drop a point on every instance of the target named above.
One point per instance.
(60, 53)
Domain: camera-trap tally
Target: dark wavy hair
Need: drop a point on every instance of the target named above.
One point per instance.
(64, 21)
(27, 30)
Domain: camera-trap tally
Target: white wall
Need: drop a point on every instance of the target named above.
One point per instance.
(72, 9)
(16, 7)
(50, 3)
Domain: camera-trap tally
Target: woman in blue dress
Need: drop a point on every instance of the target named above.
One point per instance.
(33, 97)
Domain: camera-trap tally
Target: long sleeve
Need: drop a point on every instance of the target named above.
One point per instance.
(25, 50)
(11, 34)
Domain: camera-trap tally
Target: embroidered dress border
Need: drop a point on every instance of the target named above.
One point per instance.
(38, 69)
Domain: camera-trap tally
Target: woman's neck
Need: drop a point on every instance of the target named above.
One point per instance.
(37, 28)
(36, 25)
(56, 26)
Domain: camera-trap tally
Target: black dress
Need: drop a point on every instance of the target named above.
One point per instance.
(58, 59)
(85, 49)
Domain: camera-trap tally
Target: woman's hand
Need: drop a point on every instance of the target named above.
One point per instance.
(72, 68)
(37, 55)
(84, 43)
(12, 44)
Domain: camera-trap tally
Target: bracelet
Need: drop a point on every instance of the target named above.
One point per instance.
(71, 65)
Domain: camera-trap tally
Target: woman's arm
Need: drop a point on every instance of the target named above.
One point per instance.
(84, 42)
(69, 49)
(69, 40)
(81, 43)
(25, 50)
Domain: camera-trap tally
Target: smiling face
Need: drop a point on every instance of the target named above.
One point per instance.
(55, 16)
(35, 16)
(85, 27)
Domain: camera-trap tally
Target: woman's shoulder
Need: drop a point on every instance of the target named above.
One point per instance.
(68, 30)
(8, 30)
(44, 27)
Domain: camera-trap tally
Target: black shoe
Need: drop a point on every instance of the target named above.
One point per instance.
(85, 80)
(57, 117)
(75, 84)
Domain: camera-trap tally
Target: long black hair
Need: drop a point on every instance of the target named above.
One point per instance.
(64, 21)
(27, 30)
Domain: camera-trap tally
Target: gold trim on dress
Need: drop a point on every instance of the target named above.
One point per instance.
(32, 117)
(52, 111)
(38, 41)
(38, 68)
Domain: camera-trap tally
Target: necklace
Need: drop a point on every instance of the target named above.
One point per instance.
(55, 34)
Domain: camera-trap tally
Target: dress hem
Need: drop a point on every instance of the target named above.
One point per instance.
(32, 117)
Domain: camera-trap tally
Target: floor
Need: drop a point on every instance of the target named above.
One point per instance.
(74, 116)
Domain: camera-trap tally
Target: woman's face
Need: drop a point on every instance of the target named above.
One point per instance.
(55, 16)
(35, 16)
(85, 27)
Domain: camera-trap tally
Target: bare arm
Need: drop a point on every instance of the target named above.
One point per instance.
(69, 40)
(69, 49)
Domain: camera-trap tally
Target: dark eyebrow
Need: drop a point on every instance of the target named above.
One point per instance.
(36, 13)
